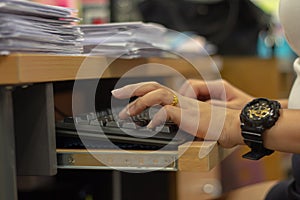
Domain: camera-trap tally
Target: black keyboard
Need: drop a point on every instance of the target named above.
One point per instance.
(103, 129)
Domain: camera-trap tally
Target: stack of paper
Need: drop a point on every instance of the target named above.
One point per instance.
(32, 27)
(137, 39)
(129, 40)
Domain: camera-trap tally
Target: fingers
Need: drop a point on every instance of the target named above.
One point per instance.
(189, 123)
(196, 89)
(203, 90)
(166, 113)
(138, 89)
(150, 94)
(161, 96)
(189, 88)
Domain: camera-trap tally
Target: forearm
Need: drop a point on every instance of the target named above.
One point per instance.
(285, 134)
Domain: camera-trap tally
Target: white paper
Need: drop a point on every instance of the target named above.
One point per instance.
(31, 27)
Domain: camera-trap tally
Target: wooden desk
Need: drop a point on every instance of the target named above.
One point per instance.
(37, 68)
(27, 114)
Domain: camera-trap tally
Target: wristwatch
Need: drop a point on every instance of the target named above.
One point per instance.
(257, 116)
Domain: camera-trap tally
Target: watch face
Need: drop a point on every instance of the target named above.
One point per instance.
(259, 110)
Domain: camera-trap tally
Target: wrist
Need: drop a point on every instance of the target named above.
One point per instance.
(236, 123)
(232, 130)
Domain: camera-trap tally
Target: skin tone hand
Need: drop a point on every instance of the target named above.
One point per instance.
(198, 115)
(213, 92)
(195, 117)
(283, 136)
(217, 92)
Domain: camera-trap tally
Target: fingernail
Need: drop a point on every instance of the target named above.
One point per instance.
(150, 125)
(115, 91)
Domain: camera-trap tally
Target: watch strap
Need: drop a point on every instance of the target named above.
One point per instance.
(256, 155)
(255, 141)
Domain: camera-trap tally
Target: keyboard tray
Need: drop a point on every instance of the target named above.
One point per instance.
(101, 131)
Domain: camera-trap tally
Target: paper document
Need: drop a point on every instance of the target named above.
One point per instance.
(138, 39)
(31, 27)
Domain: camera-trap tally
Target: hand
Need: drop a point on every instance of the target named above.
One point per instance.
(218, 92)
(198, 118)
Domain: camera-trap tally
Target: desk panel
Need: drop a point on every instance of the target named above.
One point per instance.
(35, 68)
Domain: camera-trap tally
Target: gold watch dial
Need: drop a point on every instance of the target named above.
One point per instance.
(259, 111)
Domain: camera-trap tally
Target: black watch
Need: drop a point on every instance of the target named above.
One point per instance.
(257, 116)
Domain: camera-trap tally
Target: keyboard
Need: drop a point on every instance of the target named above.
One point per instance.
(103, 129)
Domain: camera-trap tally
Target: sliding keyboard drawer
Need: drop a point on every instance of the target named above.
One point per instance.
(117, 159)
(191, 156)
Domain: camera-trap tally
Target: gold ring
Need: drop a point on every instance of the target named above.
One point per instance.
(175, 100)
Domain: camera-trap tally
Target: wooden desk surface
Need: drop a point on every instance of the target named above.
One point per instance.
(34, 68)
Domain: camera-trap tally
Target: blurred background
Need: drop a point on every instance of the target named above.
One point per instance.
(252, 25)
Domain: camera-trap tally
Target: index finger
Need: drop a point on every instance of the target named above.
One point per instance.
(138, 89)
